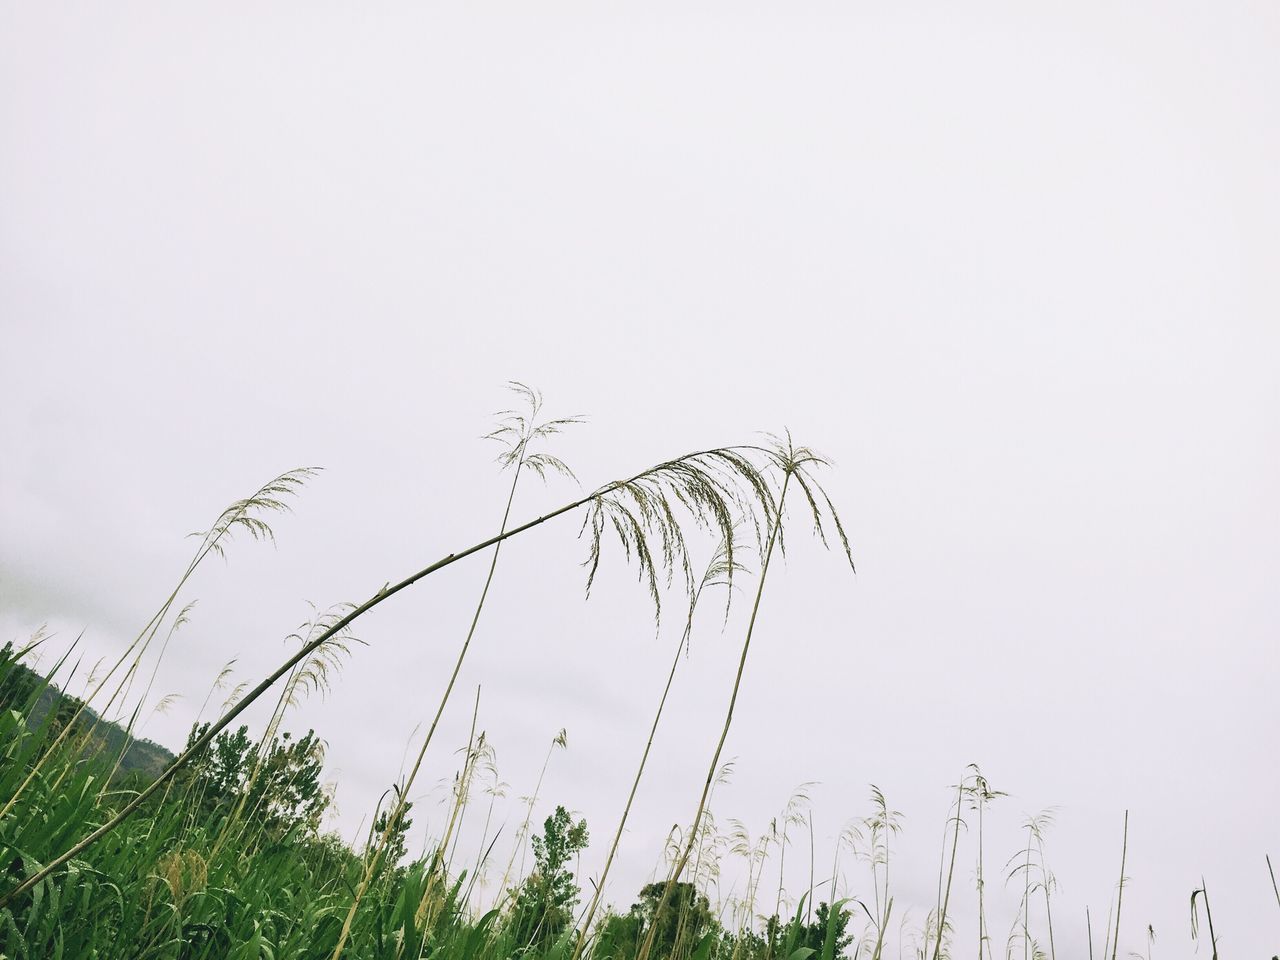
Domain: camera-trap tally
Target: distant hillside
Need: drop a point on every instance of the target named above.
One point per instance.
(20, 683)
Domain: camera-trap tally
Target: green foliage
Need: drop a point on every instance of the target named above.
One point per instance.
(396, 843)
(276, 784)
(684, 924)
(829, 931)
(826, 937)
(544, 905)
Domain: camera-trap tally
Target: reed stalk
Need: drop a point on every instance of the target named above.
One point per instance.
(945, 898)
(527, 430)
(1203, 894)
(1274, 888)
(793, 463)
(724, 733)
(716, 574)
(1124, 852)
(560, 740)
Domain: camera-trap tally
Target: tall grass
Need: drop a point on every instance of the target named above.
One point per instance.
(220, 853)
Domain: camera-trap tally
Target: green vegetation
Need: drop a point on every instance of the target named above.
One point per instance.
(113, 847)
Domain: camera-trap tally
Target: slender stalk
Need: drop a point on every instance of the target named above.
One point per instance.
(782, 868)
(724, 733)
(486, 848)
(474, 749)
(1026, 899)
(460, 796)
(982, 916)
(1274, 888)
(946, 897)
(888, 833)
(523, 833)
(878, 952)
(393, 821)
(1213, 938)
(708, 829)
(1046, 881)
(808, 909)
(715, 567)
(1124, 851)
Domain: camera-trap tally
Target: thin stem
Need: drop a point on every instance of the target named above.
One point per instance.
(982, 915)
(724, 733)
(463, 799)
(523, 833)
(1213, 939)
(946, 898)
(808, 910)
(1124, 851)
(1274, 888)
(635, 783)
(393, 821)
(1026, 900)
(460, 795)
(1046, 881)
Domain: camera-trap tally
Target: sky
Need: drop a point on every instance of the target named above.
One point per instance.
(1011, 267)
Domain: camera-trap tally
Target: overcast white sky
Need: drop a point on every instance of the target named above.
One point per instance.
(1013, 267)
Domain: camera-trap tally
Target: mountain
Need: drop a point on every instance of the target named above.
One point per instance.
(108, 740)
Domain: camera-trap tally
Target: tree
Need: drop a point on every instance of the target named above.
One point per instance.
(783, 938)
(396, 847)
(18, 682)
(278, 786)
(544, 905)
(685, 921)
(815, 934)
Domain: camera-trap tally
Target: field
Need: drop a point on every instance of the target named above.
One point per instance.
(112, 847)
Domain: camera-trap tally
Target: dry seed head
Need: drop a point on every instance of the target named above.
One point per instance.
(313, 675)
(518, 429)
(799, 463)
(247, 514)
(164, 703)
(184, 872)
(236, 692)
(714, 490)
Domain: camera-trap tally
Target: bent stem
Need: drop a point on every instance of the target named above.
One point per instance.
(1203, 893)
(705, 482)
